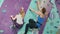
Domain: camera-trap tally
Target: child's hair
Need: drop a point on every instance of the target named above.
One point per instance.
(21, 10)
(43, 10)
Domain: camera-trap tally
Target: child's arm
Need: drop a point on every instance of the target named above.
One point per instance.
(13, 18)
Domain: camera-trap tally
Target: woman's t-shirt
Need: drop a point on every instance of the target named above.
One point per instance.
(40, 21)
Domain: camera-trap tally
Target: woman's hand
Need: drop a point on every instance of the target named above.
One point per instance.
(31, 9)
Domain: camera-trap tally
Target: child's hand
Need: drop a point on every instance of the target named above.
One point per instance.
(11, 16)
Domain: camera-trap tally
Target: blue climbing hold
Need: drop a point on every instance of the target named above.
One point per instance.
(3, 10)
(1, 31)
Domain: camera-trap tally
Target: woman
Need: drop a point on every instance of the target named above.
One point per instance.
(41, 18)
(18, 19)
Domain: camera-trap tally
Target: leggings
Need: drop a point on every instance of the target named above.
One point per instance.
(31, 24)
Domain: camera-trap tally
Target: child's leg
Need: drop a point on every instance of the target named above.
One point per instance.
(19, 26)
(14, 22)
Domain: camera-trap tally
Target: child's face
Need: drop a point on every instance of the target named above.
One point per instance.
(21, 10)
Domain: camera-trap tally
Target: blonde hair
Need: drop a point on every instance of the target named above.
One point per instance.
(22, 12)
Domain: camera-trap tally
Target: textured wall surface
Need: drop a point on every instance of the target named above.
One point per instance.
(12, 7)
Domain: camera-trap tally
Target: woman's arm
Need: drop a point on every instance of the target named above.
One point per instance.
(32, 9)
(38, 4)
(37, 12)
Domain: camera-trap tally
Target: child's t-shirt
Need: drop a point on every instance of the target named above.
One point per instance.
(19, 19)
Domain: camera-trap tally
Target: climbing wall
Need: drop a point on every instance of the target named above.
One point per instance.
(9, 7)
(53, 20)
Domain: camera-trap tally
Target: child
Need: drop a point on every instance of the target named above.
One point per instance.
(18, 19)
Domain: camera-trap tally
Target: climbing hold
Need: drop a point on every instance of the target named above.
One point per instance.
(55, 27)
(12, 27)
(29, 9)
(57, 21)
(57, 11)
(44, 1)
(3, 10)
(19, 0)
(5, 5)
(48, 4)
(59, 3)
(51, 23)
(1, 31)
(56, 0)
(35, 1)
(51, 31)
(53, 7)
(26, 1)
(17, 6)
(47, 32)
(51, 16)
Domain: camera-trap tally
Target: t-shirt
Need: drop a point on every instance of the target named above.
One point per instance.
(40, 21)
(19, 19)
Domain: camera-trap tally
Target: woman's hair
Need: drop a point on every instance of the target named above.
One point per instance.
(43, 10)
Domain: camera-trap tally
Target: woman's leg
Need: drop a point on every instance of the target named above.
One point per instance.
(32, 23)
(26, 28)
